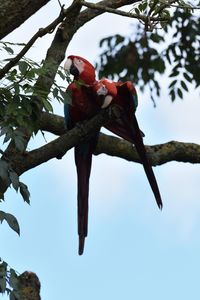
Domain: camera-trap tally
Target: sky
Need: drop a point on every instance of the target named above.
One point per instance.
(133, 250)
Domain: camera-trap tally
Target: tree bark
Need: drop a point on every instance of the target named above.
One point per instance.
(113, 146)
(28, 286)
(13, 13)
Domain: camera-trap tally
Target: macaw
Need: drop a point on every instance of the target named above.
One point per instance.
(127, 126)
(82, 108)
(89, 96)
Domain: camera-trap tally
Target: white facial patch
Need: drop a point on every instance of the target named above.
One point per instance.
(68, 64)
(107, 101)
(79, 64)
(102, 90)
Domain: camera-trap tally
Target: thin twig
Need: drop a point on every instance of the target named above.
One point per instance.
(41, 32)
(60, 4)
(119, 12)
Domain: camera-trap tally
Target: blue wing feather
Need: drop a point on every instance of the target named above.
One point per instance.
(67, 115)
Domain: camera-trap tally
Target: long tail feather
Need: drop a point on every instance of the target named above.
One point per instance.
(83, 160)
(139, 145)
(129, 130)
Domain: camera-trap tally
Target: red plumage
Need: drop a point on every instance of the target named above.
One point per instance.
(88, 97)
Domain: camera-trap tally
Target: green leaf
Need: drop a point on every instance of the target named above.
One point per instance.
(3, 268)
(19, 143)
(180, 93)
(2, 284)
(172, 94)
(187, 77)
(13, 280)
(9, 49)
(61, 74)
(184, 86)
(67, 96)
(174, 74)
(137, 11)
(23, 66)
(24, 192)
(11, 220)
(14, 179)
(173, 83)
(142, 6)
(55, 92)
(16, 88)
(47, 105)
(3, 170)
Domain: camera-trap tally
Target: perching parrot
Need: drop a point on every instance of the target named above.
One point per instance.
(127, 126)
(88, 97)
(85, 104)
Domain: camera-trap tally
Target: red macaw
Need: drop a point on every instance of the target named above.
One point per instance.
(127, 127)
(88, 97)
(82, 108)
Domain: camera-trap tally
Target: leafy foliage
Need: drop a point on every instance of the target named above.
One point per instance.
(8, 280)
(21, 99)
(145, 56)
(21, 102)
(9, 177)
(11, 220)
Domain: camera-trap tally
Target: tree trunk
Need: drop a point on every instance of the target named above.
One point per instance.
(13, 13)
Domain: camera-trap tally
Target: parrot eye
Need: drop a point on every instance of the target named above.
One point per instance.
(79, 64)
(102, 90)
(78, 61)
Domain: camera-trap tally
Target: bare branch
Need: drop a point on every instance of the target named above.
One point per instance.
(102, 8)
(90, 13)
(13, 14)
(58, 147)
(41, 32)
(113, 146)
(158, 154)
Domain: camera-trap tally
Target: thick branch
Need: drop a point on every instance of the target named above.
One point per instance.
(14, 13)
(58, 147)
(158, 154)
(113, 146)
(110, 145)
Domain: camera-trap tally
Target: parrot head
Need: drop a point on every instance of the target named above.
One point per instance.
(107, 89)
(81, 68)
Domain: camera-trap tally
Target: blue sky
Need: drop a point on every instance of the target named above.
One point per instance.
(133, 251)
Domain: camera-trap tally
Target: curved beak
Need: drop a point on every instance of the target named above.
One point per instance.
(71, 68)
(74, 71)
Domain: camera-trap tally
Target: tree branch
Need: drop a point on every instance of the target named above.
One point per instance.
(113, 146)
(56, 52)
(141, 17)
(41, 32)
(58, 147)
(90, 13)
(158, 154)
(13, 14)
(110, 145)
(54, 57)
